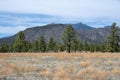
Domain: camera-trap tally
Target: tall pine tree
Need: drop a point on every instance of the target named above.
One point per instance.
(75, 44)
(69, 39)
(51, 45)
(113, 39)
(20, 44)
(86, 47)
(35, 47)
(4, 48)
(42, 44)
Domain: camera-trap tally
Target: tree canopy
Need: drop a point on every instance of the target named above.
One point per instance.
(113, 39)
(20, 44)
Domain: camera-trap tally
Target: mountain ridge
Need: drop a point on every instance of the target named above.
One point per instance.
(84, 33)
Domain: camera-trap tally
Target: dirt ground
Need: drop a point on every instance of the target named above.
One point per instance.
(60, 66)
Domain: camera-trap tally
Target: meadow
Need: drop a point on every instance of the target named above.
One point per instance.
(60, 66)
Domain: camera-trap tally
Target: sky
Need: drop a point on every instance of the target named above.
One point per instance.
(16, 15)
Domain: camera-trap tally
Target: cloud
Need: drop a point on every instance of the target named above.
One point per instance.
(21, 14)
(20, 19)
(11, 30)
(11, 23)
(72, 8)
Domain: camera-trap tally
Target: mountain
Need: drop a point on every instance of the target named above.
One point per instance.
(81, 26)
(94, 36)
(84, 33)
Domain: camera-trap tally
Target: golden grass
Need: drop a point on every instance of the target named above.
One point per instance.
(60, 73)
(62, 55)
(89, 66)
(116, 71)
(84, 63)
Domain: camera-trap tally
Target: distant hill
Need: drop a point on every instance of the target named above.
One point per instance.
(81, 26)
(84, 33)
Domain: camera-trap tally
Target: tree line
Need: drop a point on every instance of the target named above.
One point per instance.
(70, 43)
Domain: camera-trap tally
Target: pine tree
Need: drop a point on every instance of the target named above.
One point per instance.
(11, 48)
(69, 38)
(42, 44)
(51, 45)
(86, 47)
(20, 44)
(102, 47)
(80, 46)
(61, 47)
(56, 48)
(92, 48)
(4, 48)
(75, 45)
(113, 39)
(35, 47)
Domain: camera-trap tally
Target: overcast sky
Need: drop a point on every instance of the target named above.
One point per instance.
(96, 13)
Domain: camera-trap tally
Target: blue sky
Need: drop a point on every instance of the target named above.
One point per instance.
(16, 15)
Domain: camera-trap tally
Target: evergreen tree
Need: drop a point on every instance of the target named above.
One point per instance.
(56, 48)
(35, 47)
(86, 47)
(113, 39)
(75, 45)
(20, 44)
(102, 47)
(92, 48)
(51, 45)
(30, 49)
(61, 47)
(69, 38)
(11, 48)
(4, 48)
(42, 44)
(80, 46)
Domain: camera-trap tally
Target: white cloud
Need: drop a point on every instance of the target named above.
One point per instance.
(92, 12)
(69, 8)
(11, 30)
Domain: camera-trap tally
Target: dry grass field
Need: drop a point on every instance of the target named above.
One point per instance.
(59, 66)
